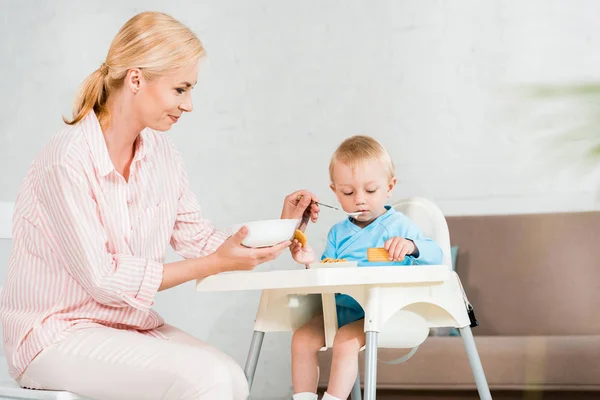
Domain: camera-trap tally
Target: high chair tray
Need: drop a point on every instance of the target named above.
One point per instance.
(323, 277)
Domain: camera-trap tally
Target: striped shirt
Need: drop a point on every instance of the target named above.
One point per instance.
(89, 246)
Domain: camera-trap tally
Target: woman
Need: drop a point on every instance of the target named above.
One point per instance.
(92, 222)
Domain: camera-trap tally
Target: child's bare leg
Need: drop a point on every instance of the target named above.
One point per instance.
(306, 342)
(344, 365)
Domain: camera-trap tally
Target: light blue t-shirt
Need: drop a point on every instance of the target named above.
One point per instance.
(349, 241)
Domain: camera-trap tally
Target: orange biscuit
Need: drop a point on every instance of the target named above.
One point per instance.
(300, 237)
(378, 254)
(332, 260)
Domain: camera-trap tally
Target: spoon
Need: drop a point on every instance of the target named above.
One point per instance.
(350, 214)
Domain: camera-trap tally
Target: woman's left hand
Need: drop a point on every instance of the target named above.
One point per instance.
(299, 205)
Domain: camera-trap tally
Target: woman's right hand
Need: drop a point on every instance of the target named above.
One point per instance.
(233, 255)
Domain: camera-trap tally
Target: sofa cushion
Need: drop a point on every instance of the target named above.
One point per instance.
(531, 274)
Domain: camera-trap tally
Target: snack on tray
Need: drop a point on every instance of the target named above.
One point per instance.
(378, 254)
(300, 237)
(332, 260)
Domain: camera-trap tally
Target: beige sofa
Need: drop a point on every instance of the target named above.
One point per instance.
(534, 281)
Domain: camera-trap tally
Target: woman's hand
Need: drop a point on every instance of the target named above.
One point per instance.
(298, 205)
(233, 256)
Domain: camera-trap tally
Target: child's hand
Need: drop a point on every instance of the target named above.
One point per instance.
(302, 255)
(399, 247)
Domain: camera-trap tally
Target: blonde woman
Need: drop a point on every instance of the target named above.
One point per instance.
(92, 222)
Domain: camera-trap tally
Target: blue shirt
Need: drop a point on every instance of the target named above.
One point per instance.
(349, 241)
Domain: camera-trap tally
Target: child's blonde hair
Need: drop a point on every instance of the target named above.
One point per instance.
(361, 148)
(152, 41)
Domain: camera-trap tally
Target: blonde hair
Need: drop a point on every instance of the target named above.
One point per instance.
(152, 41)
(360, 148)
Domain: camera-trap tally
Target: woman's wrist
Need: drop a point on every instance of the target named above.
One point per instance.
(179, 272)
(211, 264)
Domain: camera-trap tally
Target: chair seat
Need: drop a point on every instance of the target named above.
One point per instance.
(10, 389)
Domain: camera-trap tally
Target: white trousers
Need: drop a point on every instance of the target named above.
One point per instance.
(112, 364)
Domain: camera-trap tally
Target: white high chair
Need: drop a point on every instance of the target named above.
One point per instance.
(401, 303)
(9, 388)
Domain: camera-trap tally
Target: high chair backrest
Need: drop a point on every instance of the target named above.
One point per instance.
(430, 219)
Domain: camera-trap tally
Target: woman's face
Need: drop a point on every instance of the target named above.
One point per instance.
(160, 102)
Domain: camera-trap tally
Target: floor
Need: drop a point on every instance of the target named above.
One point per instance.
(497, 395)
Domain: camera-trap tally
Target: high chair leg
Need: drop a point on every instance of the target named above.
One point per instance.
(355, 394)
(371, 366)
(252, 360)
(475, 361)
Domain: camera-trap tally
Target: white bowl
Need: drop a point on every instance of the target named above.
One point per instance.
(267, 233)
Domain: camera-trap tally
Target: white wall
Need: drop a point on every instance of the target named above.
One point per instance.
(285, 82)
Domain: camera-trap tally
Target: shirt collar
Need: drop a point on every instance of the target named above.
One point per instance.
(390, 210)
(143, 147)
(97, 143)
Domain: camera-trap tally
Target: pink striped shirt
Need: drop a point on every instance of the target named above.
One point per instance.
(88, 246)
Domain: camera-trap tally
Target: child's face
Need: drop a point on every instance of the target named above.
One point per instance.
(364, 188)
